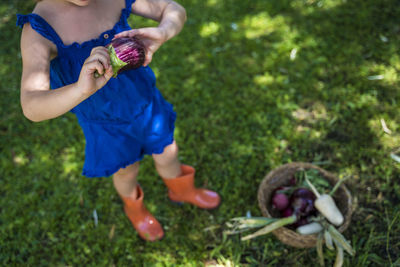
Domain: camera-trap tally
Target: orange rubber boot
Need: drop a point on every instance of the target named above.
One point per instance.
(145, 224)
(181, 189)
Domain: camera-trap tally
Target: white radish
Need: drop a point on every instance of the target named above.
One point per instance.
(326, 205)
(309, 229)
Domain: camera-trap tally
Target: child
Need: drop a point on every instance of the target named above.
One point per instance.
(123, 118)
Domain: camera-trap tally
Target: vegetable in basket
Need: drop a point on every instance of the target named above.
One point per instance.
(301, 211)
(327, 206)
(300, 206)
(280, 201)
(309, 229)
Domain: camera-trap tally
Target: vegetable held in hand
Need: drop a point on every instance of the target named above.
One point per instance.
(125, 53)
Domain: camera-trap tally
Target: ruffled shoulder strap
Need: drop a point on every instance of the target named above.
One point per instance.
(39, 25)
(128, 3)
(128, 8)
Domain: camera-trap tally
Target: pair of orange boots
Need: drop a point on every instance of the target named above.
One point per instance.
(180, 189)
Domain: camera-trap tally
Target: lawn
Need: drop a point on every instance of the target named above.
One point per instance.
(256, 84)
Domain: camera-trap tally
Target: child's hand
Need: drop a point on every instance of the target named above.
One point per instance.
(151, 37)
(98, 61)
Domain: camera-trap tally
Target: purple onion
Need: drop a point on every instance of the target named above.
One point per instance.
(310, 208)
(303, 193)
(299, 204)
(302, 202)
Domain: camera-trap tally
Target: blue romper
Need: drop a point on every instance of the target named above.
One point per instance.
(122, 121)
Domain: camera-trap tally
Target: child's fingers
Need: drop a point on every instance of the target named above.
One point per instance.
(105, 60)
(103, 79)
(99, 49)
(123, 34)
(108, 73)
(130, 33)
(147, 59)
(93, 66)
(103, 53)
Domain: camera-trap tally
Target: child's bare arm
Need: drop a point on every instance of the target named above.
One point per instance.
(171, 16)
(37, 100)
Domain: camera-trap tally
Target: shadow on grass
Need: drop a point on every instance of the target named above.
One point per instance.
(342, 80)
(255, 85)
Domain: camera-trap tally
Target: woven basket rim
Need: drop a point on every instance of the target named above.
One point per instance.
(285, 234)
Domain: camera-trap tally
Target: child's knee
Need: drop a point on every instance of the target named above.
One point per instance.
(129, 172)
(169, 155)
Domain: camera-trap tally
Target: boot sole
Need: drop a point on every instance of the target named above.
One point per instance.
(180, 203)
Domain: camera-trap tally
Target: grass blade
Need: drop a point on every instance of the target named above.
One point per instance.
(320, 252)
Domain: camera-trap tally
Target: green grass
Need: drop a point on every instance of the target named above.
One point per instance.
(246, 103)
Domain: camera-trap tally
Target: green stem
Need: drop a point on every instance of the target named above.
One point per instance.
(252, 222)
(312, 187)
(272, 227)
(328, 240)
(241, 224)
(337, 185)
(339, 238)
(339, 256)
(320, 251)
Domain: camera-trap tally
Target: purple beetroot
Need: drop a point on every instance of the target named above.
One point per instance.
(280, 201)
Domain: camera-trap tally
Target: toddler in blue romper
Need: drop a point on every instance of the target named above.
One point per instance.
(122, 121)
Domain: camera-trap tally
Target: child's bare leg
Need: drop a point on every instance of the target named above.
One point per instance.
(132, 195)
(167, 163)
(125, 180)
(179, 178)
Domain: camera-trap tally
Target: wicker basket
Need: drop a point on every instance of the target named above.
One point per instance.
(280, 177)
